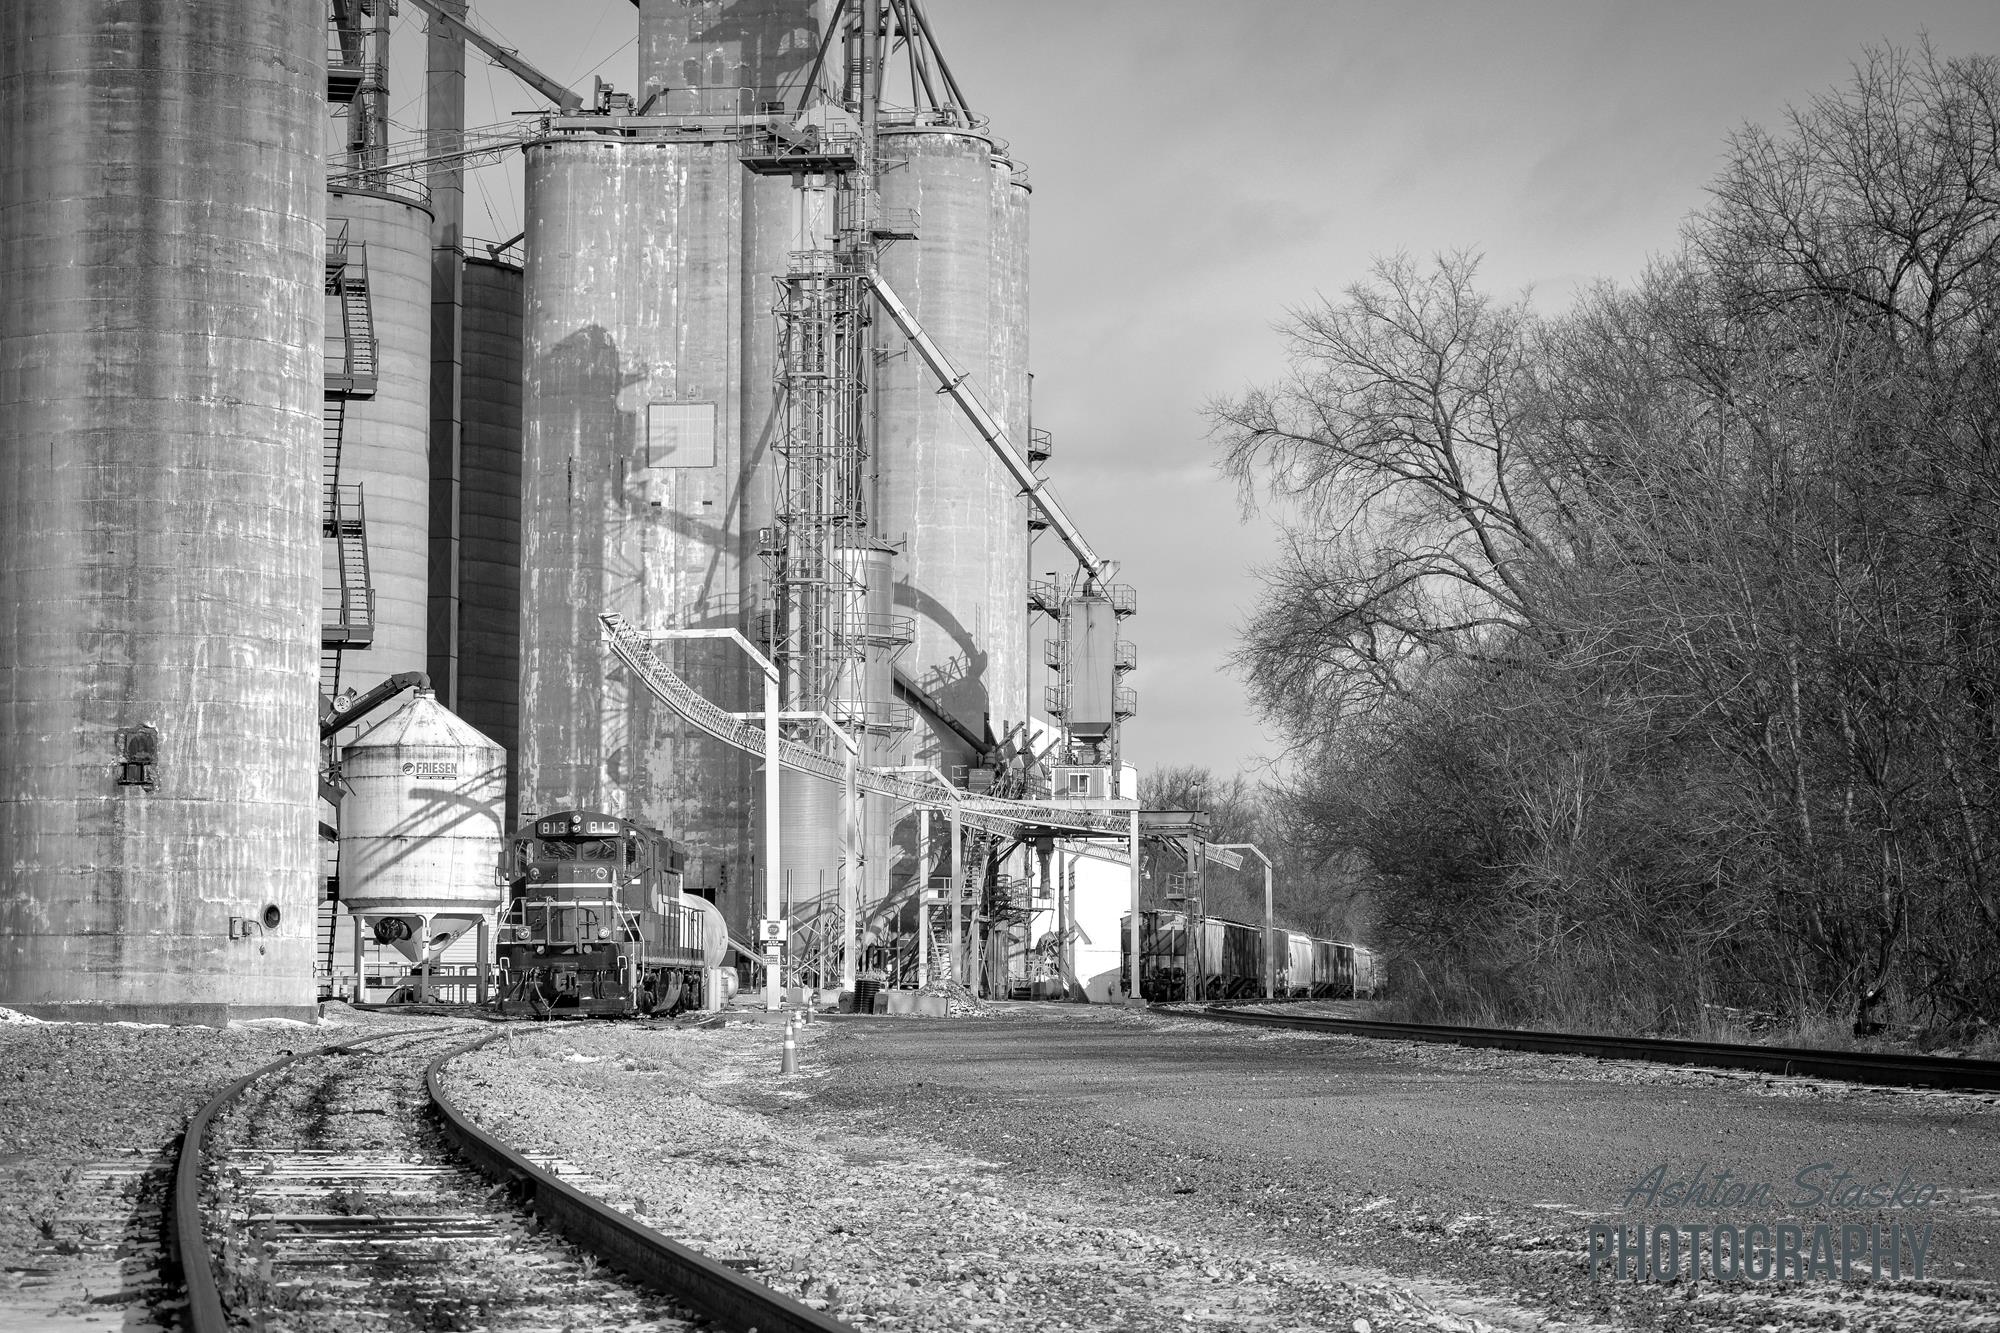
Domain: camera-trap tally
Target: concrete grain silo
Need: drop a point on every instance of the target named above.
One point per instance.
(384, 437)
(939, 483)
(653, 423)
(489, 553)
(160, 384)
(706, 58)
(1007, 517)
(647, 430)
(633, 481)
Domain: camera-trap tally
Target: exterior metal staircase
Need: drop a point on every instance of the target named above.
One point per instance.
(333, 422)
(347, 612)
(351, 360)
(349, 619)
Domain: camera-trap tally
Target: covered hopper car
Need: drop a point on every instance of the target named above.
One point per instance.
(595, 923)
(1212, 958)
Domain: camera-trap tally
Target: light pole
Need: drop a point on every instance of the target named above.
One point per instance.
(773, 949)
(1133, 998)
(1197, 964)
(1270, 949)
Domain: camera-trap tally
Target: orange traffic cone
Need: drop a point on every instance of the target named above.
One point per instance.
(791, 1064)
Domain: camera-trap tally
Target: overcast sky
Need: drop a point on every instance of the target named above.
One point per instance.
(1200, 166)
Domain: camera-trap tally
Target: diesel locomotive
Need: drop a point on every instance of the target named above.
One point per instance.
(595, 922)
(1212, 958)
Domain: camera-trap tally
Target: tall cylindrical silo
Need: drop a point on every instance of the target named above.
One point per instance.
(1007, 518)
(705, 61)
(937, 478)
(160, 365)
(489, 553)
(384, 439)
(633, 486)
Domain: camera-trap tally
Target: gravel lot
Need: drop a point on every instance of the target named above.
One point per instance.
(1052, 1168)
(89, 1118)
(1048, 1167)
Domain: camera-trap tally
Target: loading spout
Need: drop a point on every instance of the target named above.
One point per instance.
(339, 716)
(928, 702)
(952, 381)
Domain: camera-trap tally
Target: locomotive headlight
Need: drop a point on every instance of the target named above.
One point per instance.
(602, 873)
(603, 932)
(534, 872)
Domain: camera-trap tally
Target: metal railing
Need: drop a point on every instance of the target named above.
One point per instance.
(347, 611)
(993, 816)
(882, 631)
(881, 718)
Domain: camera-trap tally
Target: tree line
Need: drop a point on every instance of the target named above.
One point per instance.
(1640, 660)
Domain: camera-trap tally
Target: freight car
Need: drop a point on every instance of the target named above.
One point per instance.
(1218, 959)
(595, 923)
(1371, 972)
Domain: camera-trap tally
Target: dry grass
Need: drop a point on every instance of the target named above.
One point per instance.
(1581, 1005)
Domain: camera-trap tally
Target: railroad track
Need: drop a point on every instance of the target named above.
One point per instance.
(340, 1188)
(1852, 1066)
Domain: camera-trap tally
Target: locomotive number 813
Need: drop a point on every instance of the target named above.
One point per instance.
(595, 922)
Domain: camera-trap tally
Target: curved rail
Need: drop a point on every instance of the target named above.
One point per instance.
(717, 1291)
(1852, 1066)
(186, 1239)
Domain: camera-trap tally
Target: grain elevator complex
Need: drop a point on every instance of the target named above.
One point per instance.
(709, 502)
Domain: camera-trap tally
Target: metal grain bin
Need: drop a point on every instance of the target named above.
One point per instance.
(420, 830)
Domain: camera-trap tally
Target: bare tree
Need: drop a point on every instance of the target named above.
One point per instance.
(1389, 454)
(1652, 650)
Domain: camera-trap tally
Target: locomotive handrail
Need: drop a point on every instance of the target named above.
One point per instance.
(988, 813)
